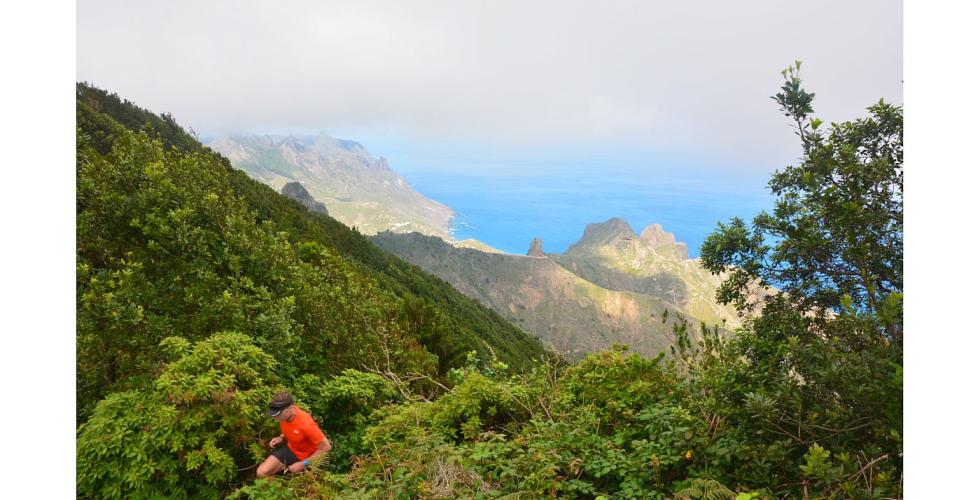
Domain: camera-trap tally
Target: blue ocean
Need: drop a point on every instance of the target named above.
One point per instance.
(507, 202)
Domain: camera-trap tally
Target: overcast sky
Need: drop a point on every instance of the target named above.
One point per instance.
(685, 76)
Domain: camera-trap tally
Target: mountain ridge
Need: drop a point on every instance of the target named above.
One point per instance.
(601, 286)
(568, 313)
(357, 188)
(613, 256)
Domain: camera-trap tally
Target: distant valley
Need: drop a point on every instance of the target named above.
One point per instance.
(613, 286)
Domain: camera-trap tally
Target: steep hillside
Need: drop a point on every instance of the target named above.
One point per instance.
(443, 320)
(570, 314)
(359, 190)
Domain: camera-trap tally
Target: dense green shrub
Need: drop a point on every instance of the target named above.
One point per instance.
(344, 406)
(190, 433)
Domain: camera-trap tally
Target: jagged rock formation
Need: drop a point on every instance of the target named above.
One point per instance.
(537, 249)
(297, 192)
(655, 236)
(610, 254)
(359, 190)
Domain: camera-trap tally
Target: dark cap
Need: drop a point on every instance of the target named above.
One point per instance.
(280, 401)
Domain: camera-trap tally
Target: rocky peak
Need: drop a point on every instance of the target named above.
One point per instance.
(299, 193)
(604, 233)
(680, 251)
(655, 236)
(537, 248)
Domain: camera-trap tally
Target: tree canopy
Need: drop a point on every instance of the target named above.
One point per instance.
(833, 242)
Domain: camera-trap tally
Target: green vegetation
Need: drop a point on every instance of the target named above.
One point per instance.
(165, 248)
(174, 243)
(805, 400)
(446, 322)
(183, 435)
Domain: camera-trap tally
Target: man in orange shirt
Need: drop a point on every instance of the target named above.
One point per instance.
(304, 439)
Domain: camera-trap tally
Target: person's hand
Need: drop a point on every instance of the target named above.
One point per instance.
(275, 441)
(296, 467)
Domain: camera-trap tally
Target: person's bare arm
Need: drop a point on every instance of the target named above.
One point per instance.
(322, 448)
(276, 441)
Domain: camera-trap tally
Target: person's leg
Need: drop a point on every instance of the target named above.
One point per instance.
(281, 458)
(270, 467)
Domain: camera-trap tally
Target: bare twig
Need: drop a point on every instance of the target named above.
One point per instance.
(870, 464)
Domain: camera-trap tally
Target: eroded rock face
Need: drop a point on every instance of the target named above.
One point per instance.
(680, 251)
(537, 248)
(655, 236)
(297, 192)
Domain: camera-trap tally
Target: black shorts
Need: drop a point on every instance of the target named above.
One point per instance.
(285, 455)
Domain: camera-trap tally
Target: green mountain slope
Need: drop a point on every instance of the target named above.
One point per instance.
(359, 190)
(570, 314)
(612, 286)
(174, 241)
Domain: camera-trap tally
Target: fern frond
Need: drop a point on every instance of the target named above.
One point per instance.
(704, 489)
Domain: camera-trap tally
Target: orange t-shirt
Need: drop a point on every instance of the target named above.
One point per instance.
(302, 434)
